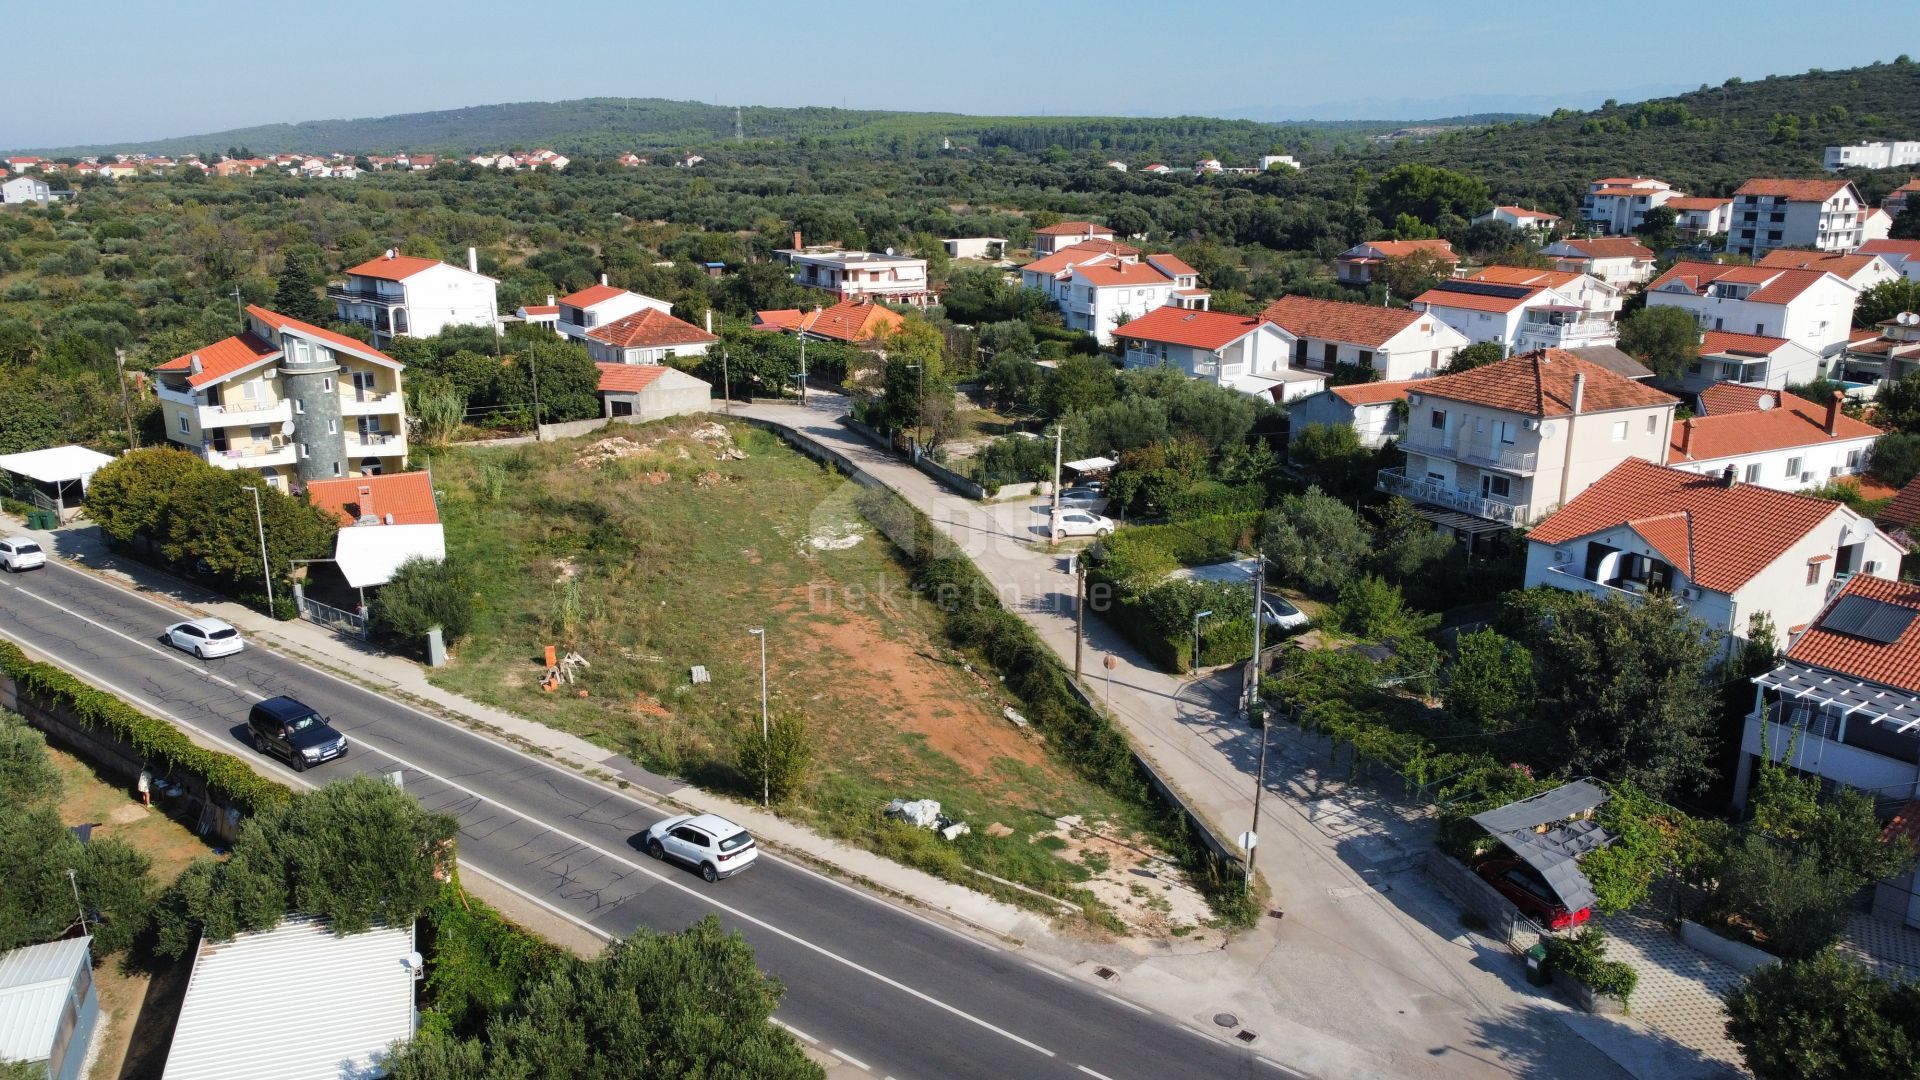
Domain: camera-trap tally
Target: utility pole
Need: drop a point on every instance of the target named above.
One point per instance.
(726, 383)
(1254, 711)
(1079, 611)
(239, 308)
(266, 568)
(126, 403)
(803, 369)
(1053, 513)
(765, 739)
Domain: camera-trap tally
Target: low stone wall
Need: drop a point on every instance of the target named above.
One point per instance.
(1504, 922)
(571, 428)
(1584, 997)
(1738, 955)
(951, 479)
(1020, 491)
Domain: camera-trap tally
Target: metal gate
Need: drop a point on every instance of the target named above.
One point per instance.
(345, 622)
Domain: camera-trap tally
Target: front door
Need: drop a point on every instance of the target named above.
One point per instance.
(363, 383)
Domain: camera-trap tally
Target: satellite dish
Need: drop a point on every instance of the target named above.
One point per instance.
(286, 427)
(1908, 318)
(1764, 403)
(1547, 429)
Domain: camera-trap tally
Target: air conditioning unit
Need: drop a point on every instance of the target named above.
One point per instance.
(1532, 424)
(1689, 593)
(1563, 556)
(1807, 477)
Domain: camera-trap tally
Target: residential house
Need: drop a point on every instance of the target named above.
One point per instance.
(1723, 550)
(1523, 309)
(1902, 255)
(384, 521)
(1875, 224)
(1397, 343)
(1698, 218)
(1099, 284)
(1362, 263)
(1519, 217)
(1270, 161)
(1843, 704)
(860, 275)
(1754, 360)
(400, 295)
(648, 336)
(1901, 520)
(287, 400)
(1117, 166)
(854, 322)
(547, 314)
(1895, 203)
(1889, 353)
(355, 995)
(688, 162)
(28, 164)
(1376, 411)
(239, 166)
(26, 189)
(640, 393)
(1158, 169)
(1811, 307)
(1616, 260)
(1771, 438)
(1860, 269)
(1873, 155)
(1506, 443)
(1618, 205)
(49, 1008)
(631, 160)
(975, 247)
(1238, 352)
(1051, 238)
(598, 305)
(1206, 166)
(1820, 214)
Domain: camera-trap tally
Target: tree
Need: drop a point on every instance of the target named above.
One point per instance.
(1371, 607)
(1078, 384)
(1489, 686)
(1886, 300)
(1666, 339)
(1011, 378)
(1898, 405)
(1825, 1018)
(1316, 541)
(1478, 354)
(559, 375)
(27, 775)
(295, 293)
(1426, 192)
(1896, 458)
(1331, 455)
(778, 763)
(424, 594)
(1407, 276)
(1907, 225)
(438, 410)
(1406, 546)
(36, 896)
(1657, 228)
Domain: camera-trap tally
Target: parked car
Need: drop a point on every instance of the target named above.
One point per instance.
(19, 553)
(1530, 892)
(1084, 523)
(1280, 614)
(287, 729)
(1082, 496)
(707, 842)
(205, 638)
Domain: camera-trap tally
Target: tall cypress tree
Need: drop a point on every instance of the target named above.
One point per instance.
(297, 296)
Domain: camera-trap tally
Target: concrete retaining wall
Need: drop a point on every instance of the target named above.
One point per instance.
(1738, 955)
(571, 428)
(951, 479)
(1020, 491)
(1584, 997)
(1504, 922)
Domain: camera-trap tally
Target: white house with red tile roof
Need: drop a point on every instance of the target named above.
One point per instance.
(1100, 284)
(1619, 204)
(1397, 343)
(1755, 360)
(855, 322)
(1902, 255)
(1375, 411)
(1813, 308)
(598, 305)
(384, 521)
(1820, 214)
(1772, 438)
(547, 314)
(647, 336)
(1519, 217)
(1724, 550)
(1051, 238)
(290, 401)
(1888, 353)
(1239, 352)
(1522, 309)
(1616, 260)
(1844, 702)
(400, 295)
(860, 275)
(1695, 218)
(638, 393)
(1158, 169)
(1509, 441)
(27, 164)
(1860, 269)
(1360, 264)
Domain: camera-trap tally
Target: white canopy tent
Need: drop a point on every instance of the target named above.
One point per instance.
(58, 475)
(367, 555)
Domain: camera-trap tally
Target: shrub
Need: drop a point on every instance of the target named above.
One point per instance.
(1583, 957)
(422, 595)
(779, 763)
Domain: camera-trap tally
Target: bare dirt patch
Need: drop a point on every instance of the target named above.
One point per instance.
(1145, 891)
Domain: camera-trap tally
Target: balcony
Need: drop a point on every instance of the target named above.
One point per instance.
(179, 395)
(1482, 452)
(242, 413)
(273, 452)
(350, 295)
(1397, 482)
(353, 403)
(1570, 580)
(376, 444)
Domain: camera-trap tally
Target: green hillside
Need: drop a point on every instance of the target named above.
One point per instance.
(617, 125)
(1707, 142)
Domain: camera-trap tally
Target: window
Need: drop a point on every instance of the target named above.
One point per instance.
(336, 468)
(1437, 420)
(1505, 430)
(1853, 459)
(1760, 329)
(1619, 431)
(1753, 473)
(326, 384)
(1793, 467)
(183, 423)
(1653, 424)
(1813, 573)
(303, 451)
(1719, 324)
(299, 407)
(1499, 487)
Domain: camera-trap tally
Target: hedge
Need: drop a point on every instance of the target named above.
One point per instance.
(158, 742)
(1142, 555)
(1583, 957)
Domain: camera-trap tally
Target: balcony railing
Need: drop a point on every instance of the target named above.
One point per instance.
(277, 450)
(1482, 452)
(357, 404)
(358, 296)
(385, 441)
(1397, 482)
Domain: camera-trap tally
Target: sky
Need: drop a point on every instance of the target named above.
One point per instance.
(134, 69)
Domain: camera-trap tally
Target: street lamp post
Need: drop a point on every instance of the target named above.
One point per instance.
(1197, 616)
(919, 404)
(266, 569)
(766, 782)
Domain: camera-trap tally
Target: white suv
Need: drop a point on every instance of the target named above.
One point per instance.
(707, 842)
(21, 553)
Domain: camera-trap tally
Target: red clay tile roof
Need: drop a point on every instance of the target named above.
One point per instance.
(1610, 247)
(1839, 264)
(1374, 393)
(338, 341)
(1731, 533)
(1725, 398)
(1395, 249)
(1523, 275)
(1172, 265)
(1905, 823)
(1714, 342)
(1075, 254)
(1074, 228)
(848, 320)
(1540, 383)
(1698, 204)
(1197, 329)
(1521, 211)
(1907, 248)
(1794, 190)
(407, 496)
(221, 359)
(1896, 664)
(1111, 272)
(628, 378)
(1793, 421)
(542, 309)
(650, 328)
(591, 295)
(1904, 510)
(778, 318)
(1442, 296)
(1363, 325)
(398, 268)
(1777, 285)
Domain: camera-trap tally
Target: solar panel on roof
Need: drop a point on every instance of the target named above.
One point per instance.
(1869, 619)
(1486, 288)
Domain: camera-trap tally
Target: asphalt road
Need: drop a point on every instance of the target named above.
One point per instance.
(887, 990)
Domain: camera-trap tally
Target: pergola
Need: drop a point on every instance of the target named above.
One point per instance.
(55, 478)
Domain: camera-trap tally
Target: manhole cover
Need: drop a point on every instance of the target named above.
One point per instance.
(1226, 1019)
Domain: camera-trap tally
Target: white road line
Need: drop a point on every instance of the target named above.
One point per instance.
(1277, 1065)
(1141, 1009)
(1050, 971)
(147, 645)
(849, 1059)
(94, 679)
(1095, 1075)
(473, 867)
(1191, 1030)
(794, 1031)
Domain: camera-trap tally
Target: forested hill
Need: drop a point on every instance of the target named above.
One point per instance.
(608, 126)
(1707, 142)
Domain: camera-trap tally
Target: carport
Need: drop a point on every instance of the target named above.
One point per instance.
(53, 479)
(1550, 832)
(1093, 468)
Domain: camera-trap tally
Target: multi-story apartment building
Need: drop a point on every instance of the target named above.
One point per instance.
(398, 295)
(1051, 238)
(1511, 441)
(1771, 438)
(1616, 260)
(1524, 309)
(288, 400)
(1233, 351)
(1820, 214)
(1397, 343)
(860, 275)
(1618, 205)
(1813, 308)
(1100, 284)
(1695, 218)
(1874, 155)
(599, 305)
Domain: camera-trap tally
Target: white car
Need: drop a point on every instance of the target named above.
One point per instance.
(205, 638)
(707, 842)
(1084, 523)
(21, 553)
(1281, 614)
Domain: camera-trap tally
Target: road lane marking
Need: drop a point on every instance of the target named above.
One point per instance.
(1274, 1064)
(147, 645)
(794, 1031)
(1095, 1075)
(1050, 971)
(849, 1059)
(94, 679)
(1142, 1009)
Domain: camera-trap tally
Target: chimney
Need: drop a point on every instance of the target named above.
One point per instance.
(193, 364)
(366, 504)
(1686, 437)
(473, 260)
(1729, 476)
(709, 320)
(1579, 391)
(1833, 412)
(551, 301)
(796, 239)
(603, 279)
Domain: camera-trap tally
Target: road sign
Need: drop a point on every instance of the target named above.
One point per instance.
(1249, 840)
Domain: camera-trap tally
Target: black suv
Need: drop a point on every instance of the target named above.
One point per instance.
(285, 728)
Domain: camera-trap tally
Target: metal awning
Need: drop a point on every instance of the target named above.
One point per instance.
(1454, 519)
(1898, 709)
(1092, 464)
(1555, 852)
